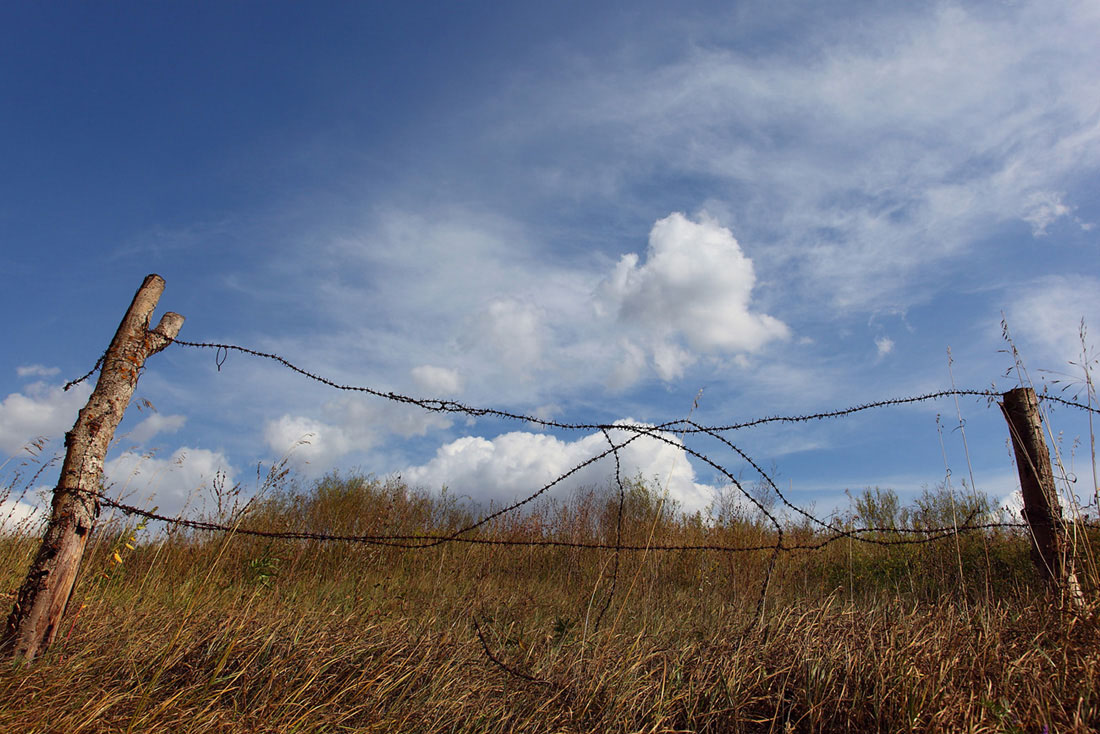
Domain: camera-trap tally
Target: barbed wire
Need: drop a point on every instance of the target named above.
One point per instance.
(452, 406)
(500, 663)
(73, 383)
(657, 432)
(881, 536)
(418, 541)
(1068, 403)
(840, 413)
(618, 532)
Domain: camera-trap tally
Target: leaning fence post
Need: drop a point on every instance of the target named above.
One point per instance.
(1042, 511)
(42, 599)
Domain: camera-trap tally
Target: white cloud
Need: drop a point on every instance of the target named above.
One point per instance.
(695, 285)
(853, 168)
(884, 345)
(1043, 208)
(628, 367)
(1047, 319)
(308, 441)
(437, 380)
(155, 424)
(39, 410)
(36, 370)
(510, 330)
(351, 425)
(670, 360)
(20, 516)
(865, 158)
(476, 297)
(1013, 505)
(512, 324)
(547, 412)
(188, 474)
(515, 465)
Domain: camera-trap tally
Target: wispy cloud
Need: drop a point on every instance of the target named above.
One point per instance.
(36, 370)
(686, 205)
(477, 301)
(853, 173)
(1047, 317)
(869, 158)
(437, 380)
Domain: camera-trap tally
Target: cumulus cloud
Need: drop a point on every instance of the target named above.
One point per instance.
(21, 516)
(696, 283)
(352, 425)
(187, 475)
(856, 166)
(670, 360)
(507, 323)
(691, 295)
(309, 441)
(46, 410)
(628, 366)
(514, 465)
(39, 410)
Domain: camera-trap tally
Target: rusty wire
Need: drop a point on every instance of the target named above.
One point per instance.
(656, 432)
(430, 540)
(883, 536)
(678, 425)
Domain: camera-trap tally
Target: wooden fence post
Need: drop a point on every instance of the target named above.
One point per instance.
(1042, 511)
(42, 599)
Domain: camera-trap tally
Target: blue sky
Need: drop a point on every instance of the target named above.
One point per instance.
(589, 214)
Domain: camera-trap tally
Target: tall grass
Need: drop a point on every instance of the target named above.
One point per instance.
(189, 631)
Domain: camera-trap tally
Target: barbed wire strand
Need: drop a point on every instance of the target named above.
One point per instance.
(418, 541)
(618, 533)
(500, 663)
(451, 406)
(545, 488)
(683, 426)
(86, 375)
(767, 478)
(764, 585)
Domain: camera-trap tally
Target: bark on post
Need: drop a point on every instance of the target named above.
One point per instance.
(42, 599)
(1042, 511)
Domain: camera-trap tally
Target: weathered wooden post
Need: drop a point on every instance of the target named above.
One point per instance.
(42, 599)
(1042, 511)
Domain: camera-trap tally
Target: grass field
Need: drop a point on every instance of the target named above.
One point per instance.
(200, 632)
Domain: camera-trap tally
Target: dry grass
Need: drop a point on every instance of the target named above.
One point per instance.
(196, 634)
